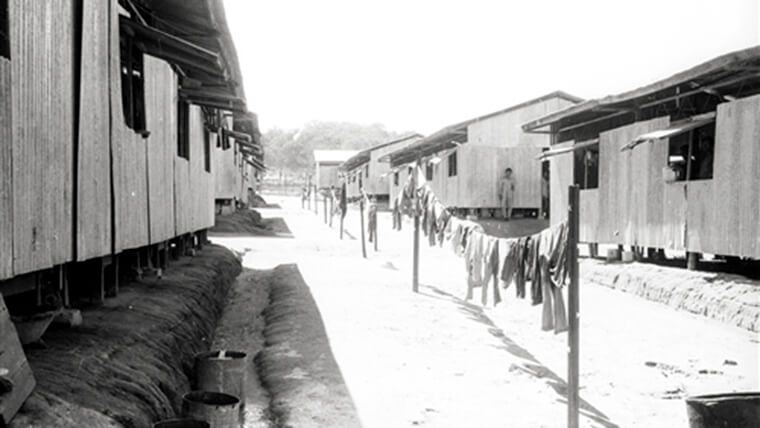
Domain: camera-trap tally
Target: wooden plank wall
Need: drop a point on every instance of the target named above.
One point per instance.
(481, 167)
(161, 118)
(560, 177)
(94, 149)
(505, 130)
(631, 188)
(378, 183)
(129, 162)
(202, 182)
(225, 172)
(589, 199)
(724, 219)
(6, 173)
(194, 188)
(328, 175)
(42, 136)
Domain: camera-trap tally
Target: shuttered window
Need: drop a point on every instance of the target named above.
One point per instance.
(132, 84)
(183, 129)
(5, 37)
(453, 164)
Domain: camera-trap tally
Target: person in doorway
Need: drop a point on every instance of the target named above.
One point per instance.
(705, 157)
(506, 193)
(545, 193)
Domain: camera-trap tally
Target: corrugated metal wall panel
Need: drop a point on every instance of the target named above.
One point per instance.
(6, 195)
(94, 165)
(41, 48)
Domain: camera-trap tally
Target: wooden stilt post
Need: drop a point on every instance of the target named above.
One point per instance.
(573, 356)
(416, 248)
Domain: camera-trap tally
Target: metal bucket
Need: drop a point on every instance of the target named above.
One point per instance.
(181, 423)
(220, 410)
(734, 410)
(221, 371)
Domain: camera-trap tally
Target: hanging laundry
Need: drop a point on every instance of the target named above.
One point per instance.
(473, 259)
(491, 270)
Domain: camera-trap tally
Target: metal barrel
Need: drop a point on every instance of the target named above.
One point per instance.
(735, 410)
(218, 409)
(221, 371)
(181, 423)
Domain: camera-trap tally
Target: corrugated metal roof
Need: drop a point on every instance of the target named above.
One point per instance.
(363, 156)
(747, 58)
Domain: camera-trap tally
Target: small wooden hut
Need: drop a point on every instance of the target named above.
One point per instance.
(463, 162)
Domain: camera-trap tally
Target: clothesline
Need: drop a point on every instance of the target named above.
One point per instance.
(494, 263)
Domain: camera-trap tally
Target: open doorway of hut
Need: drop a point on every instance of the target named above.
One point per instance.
(545, 188)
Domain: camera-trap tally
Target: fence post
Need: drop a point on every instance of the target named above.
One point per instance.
(361, 220)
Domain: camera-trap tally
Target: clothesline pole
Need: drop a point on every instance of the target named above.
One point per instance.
(316, 196)
(361, 220)
(573, 337)
(416, 248)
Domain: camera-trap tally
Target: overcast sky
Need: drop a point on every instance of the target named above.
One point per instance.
(421, 65)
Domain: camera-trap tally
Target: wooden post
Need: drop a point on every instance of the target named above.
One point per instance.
(573, 337)
(361, 221)
(416, 247)
(374, 232)
(316, 196)
(324, 203)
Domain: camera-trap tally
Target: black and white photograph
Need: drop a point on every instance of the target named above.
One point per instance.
(379, 214)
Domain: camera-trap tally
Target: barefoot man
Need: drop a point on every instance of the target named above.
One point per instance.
(506, 193)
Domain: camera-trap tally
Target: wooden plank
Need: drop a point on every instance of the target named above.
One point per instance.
(674, 216)
(700, 217)
(94, 167)
(161, 112)
(129, 161)
(589, 215)
(42, 136)
(736, 178)
(631, 186)
(6, 156)
(13, 360)
(560, 177)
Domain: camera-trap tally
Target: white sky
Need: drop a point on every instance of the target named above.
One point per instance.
(424, 64)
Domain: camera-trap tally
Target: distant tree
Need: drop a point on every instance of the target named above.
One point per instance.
(291, 150)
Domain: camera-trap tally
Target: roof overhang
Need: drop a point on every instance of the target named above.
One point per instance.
(718, 77)
(564, 150)
(676, 128)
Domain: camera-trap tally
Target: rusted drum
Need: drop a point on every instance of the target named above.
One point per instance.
(221, 371)
(181, 423)
(220, 410)
(733, 410)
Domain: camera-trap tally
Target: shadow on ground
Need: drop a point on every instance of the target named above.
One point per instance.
(297, 365)
(532, 367)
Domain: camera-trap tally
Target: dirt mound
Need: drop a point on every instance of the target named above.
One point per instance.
(297, 366)
(132, 359)
(249, 222)
(728, 298)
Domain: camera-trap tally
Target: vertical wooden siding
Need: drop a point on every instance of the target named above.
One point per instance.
(6, 195)
(193, 186)
(225, 172)
(161, 112)
(560, 177)
(589, 199)
(130, 174)
(723, 212)
(42, 136)
(94, 148)
(631, 188)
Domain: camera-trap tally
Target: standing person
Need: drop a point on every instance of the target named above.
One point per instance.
(545, 190)
(506, 193)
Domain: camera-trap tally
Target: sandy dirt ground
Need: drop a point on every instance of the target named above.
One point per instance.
(433, 359)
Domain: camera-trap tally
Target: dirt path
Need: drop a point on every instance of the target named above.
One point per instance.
(434, 359)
